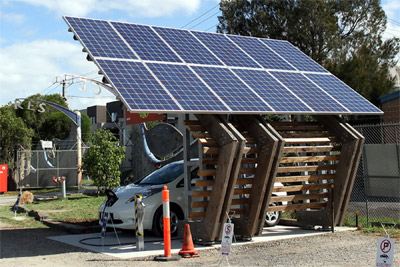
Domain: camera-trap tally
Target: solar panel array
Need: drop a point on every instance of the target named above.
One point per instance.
(156, 69)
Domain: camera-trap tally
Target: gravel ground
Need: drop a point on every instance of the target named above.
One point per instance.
(30, 247)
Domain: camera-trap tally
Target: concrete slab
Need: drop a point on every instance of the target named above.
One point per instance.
(154, 246)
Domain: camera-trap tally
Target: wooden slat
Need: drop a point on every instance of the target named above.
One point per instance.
(242, 181)
(201, 194)
(197, 215)
(201, 135)
(306, 168)
(316, 140)
(308, 159)
(207, 172)
(299, 126)
(247, 170)
(199, 204)
(298, 197)
(302, 178)
(195, 128)
(208, 142)
(298, 149)
(204, 183)
(191, 122)
(249, 161)
(240, 201)
(306, 134)
(294, 188)
(251, 150)
(236, 212)
(314, 205)
(250, 141)
(210, 150)
(209, 161)
(242, 191)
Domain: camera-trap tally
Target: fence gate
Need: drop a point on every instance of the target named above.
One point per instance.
(36, 168)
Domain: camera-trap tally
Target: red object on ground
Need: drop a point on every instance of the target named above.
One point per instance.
(167, 227)
(3, 178)
(188, 250)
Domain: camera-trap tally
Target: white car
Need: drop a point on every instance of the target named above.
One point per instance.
(121, 203)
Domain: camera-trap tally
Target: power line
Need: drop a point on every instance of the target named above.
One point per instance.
(204, 20)
(211, 27)
(200, 16)
(394, 21)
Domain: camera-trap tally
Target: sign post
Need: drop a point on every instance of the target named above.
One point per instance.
(226, 242)
(385, 252)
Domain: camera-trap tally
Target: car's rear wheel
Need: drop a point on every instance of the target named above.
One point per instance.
(272, 218)
(158, 222)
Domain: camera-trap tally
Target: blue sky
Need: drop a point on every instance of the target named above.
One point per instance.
(35, 46)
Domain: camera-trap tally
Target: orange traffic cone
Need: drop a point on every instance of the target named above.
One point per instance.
(187, 250)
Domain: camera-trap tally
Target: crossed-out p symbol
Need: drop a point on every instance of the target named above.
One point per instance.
(385, 246)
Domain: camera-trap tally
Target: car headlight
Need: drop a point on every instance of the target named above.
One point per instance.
(146, 194)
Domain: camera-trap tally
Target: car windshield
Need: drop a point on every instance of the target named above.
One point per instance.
(164, 175)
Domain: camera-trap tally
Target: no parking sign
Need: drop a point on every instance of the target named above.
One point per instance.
(385, 251)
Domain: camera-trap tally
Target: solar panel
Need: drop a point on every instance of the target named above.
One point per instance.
(186, 88)
(99, 38)
(145, 42)
(231, 90)
(293, 55)
(313, 96)
(157, 69)
(137, 86)
(187, 46)
(225, 50)
(339, 90)
(261, 53)
(280, 98)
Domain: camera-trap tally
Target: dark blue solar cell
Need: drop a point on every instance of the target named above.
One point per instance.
(187, 46)
(145, 42)
(231, 90)
(186, 88)
(343, 93)
(225, 50)
(261, 53)
(136, 84)
(100, 38)
(294, 56)
(313, 96)
(280, 98)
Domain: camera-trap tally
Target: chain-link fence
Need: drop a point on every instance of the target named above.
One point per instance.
(36, 168)
(376, 191)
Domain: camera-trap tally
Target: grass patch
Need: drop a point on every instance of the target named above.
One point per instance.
(78, 208)
(7, 219)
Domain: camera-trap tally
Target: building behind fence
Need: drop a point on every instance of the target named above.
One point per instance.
(376, 191)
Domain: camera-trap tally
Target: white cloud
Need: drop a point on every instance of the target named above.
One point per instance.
(146, 8)
(391, 7)
(13, 18)
(29, 68)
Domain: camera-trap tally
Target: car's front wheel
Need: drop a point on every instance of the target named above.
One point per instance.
(272, 218)
(158, 222)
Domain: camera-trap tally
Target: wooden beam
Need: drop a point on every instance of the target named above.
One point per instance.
(209, 161)
(204, 183)
(303, 178)
(297, 126)
(295, 188)
(195, 128)
(316, 140)
(207, 172)
(197, 215)
(228, 145)
(313, 205)
(199, 204)
(298, 197)
(191, 122)
(309, 159)
(348, 154)
(242, 181)
(201, 135)
(310, 149)
(201, 193)
(208, 142)
(313, 168)
(306, 134)
(210, 150)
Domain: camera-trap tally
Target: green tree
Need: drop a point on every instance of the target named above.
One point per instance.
(14, 134)
(49, 124)
(103, 159)
(86, 125)
(335, 33)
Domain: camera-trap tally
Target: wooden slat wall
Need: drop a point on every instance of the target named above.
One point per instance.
(307, 166)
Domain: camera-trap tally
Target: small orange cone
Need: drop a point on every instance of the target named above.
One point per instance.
(188, 250)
